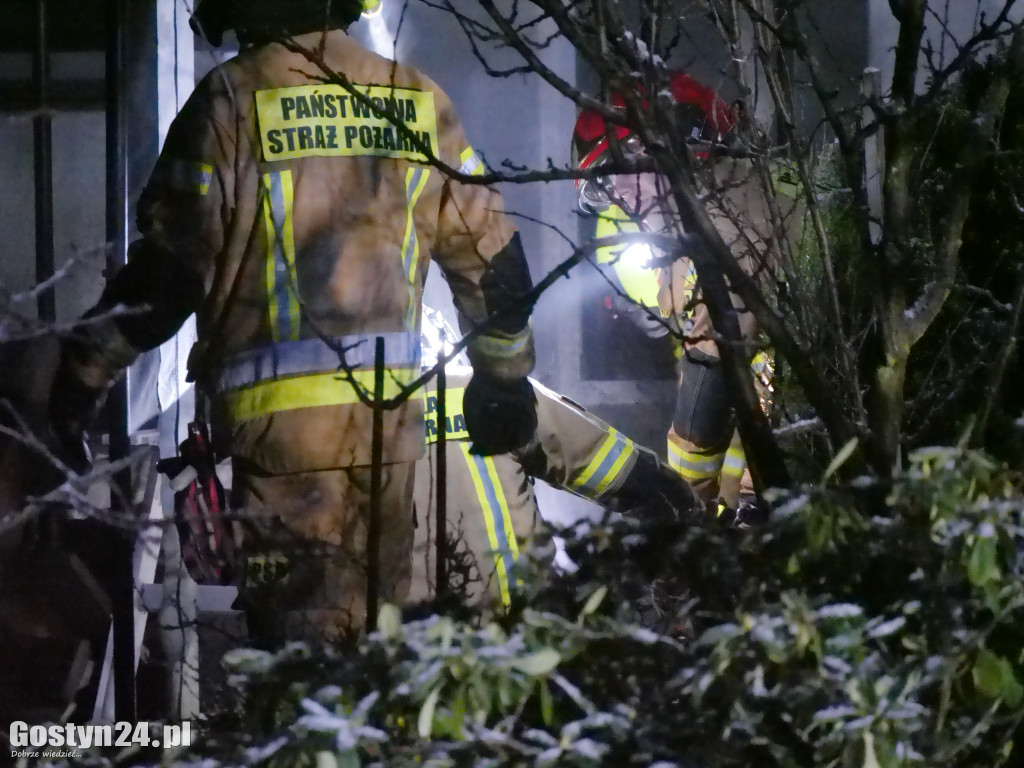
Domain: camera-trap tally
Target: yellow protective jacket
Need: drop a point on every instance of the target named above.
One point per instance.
(309, 212)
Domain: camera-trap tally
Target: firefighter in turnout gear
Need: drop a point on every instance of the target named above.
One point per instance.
(626, 207)
(703, 444)
(294, 208)
(491, 508)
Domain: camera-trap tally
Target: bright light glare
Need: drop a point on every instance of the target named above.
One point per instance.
(380, 38)
(637, 256)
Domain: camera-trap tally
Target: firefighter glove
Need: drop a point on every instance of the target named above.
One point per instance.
(73, 407)
(501, 415)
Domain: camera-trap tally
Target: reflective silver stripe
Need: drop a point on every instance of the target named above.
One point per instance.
(493, 346)
(735, 462)
(186, 176)
(281, 279)
(415, 181)
(761, 364)
(471, 165)
(292, 358)
(494, 502)
(694, 466)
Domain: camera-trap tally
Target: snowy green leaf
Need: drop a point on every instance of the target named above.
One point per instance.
(981, 566)
(594, 601)
(841, 458)
(389, 621)
(425, 723)
(539, 663)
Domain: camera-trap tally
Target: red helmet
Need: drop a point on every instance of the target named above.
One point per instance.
(707, 116)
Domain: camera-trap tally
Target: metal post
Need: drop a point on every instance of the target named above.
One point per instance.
(376, 472)
(441, 534)
(874, 152)
(123, 589)
(42, 136)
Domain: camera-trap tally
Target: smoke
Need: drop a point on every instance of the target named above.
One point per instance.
(381, 39)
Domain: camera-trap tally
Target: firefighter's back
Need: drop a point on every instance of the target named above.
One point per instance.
(329, 207)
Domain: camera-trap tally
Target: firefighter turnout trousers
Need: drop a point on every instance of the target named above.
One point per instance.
(703, 444)
(304, 573)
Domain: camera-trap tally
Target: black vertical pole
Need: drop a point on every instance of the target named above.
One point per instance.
(441, 533)
(123, 587)
(42, 137)
(376, 472)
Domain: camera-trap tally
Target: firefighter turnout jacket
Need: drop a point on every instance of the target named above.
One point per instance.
(491, 507)
(301, 216)
(298, 199)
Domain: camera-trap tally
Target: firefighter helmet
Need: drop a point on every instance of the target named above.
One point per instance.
(701, 115)
(699, 112)
(259, 20)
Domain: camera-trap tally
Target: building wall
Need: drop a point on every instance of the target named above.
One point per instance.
(78, 185)
(17, 218)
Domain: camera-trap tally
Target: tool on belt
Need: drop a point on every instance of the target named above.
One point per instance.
(207, 536)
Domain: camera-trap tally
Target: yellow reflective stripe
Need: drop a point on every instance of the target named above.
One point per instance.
(694, 466)
(761, 366)
(494, 346)
(497, 519)
(735, 461)
(456, 421)
(275, 396)
(415, 181)
(506, 514)
(282, 287)
(786, 179)
(205, 176)
(606, 465)
(689, 284)
(186, 176)
(471, 164)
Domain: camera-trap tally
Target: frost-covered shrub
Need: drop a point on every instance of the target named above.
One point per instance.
(864, 626)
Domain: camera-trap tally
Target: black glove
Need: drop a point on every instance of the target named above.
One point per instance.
(750, 512)
(650, 483)
(501, 416)
(644, 318)
(73, 408)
